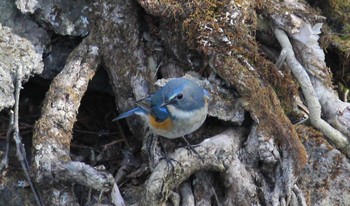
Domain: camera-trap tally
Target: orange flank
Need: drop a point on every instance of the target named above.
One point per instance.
(164, 125)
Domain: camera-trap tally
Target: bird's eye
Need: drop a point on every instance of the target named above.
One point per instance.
(180, 96)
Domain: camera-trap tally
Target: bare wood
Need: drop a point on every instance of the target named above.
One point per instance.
(53, 131)
(314, 105)
(20, 150)
(218, 153)
(5, 159)
(187, 194)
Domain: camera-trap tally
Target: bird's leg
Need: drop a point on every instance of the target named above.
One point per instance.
(190, 148)
(168, 159)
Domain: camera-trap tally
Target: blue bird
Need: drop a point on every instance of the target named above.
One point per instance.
(177, 109)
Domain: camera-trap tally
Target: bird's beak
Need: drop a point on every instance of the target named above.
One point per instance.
(167, 102)
(164, 104)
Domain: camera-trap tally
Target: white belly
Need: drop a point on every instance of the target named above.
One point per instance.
(186, 122)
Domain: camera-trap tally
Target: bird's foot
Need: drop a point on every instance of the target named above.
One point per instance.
(166, 157)
(169, 161)
(191, 149)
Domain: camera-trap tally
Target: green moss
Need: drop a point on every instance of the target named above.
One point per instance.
(338, 13)
(342, 43)
(221, 26)
(262, 102)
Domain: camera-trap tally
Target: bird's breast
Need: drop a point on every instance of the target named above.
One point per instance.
(165, 125)
(179, 122)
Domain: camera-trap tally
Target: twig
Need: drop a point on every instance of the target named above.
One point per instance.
(84, 174)
(214, 193)
(20, 150)
(123, 135)
(336, 137)
(160, 64)
(5, 160)
(117, 198)
(95, 133)
(299, 194)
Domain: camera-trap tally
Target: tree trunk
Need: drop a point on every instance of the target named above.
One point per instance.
(276, 134)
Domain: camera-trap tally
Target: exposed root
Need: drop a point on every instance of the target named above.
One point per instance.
(53, 131)
(314, 106)
(218, 153)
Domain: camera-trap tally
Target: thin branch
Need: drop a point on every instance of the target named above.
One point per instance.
(5, 160)
(21, 154)
(83, 174)
(299, 194)
(116, 197)
(336, 137)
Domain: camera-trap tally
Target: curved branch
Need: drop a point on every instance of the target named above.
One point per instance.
(336, 137)
(218, 153)
(53, 131)
(335, 111)
(85, 175)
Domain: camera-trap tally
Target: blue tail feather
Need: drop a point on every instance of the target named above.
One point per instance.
(136, 110)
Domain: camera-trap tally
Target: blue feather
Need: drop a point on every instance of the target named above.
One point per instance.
(160, 113)
(136, 110)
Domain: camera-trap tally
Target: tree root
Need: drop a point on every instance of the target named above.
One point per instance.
(218, 152)
(336, 137)
(53, 131)
(187, 194)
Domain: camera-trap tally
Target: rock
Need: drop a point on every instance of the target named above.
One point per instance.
(56, 55)
(15, 53)
(23, 25)
(63, 17)
(324, 181)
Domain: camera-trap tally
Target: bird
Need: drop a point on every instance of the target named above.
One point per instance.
(175, 110)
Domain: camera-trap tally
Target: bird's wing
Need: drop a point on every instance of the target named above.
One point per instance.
(152, 105)
(145, 104)
(137, 110)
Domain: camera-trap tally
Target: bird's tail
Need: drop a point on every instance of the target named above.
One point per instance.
(136, 110)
